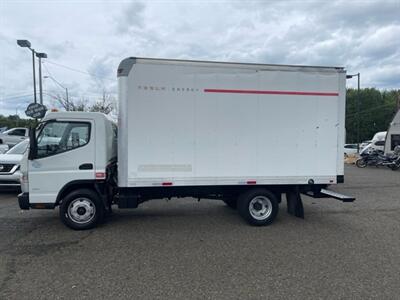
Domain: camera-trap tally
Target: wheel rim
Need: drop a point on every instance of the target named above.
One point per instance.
(81, 210)
(260, 208)
(361, 163)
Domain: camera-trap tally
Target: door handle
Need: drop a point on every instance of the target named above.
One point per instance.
(86, 167)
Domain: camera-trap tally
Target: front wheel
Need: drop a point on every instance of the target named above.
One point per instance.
(394, 167)
(361, 163)
(81, 209)
(258, 206)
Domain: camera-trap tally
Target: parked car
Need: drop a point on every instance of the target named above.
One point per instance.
(10, 164)
(3, 148)
(13, 136)
(350, 149)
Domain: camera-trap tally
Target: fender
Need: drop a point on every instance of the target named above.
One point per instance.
(72, 185)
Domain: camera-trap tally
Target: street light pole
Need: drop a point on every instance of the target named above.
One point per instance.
(40, 56)
(27, 44)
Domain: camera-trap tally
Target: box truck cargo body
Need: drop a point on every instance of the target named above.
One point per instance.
(206, 123)
(242, 133)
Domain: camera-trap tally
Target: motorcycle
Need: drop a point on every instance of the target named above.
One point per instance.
(394, 164)
(369, 158)
(377, 158)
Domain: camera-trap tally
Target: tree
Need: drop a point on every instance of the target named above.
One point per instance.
(71, 104)
(377, 109)
(15, 121)
(105, 105)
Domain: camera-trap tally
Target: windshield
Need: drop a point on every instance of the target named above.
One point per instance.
(19, 148)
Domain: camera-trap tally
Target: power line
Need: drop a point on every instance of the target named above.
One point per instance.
(51, 76)
(367, 110)
(16, 97)
(17, 94)
(79, 71)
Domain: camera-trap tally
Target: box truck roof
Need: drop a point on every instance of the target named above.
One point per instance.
(126, 65)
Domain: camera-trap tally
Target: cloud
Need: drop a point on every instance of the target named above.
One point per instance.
(130, 17)
(94, 37)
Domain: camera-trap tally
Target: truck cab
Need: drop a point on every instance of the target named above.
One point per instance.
(74, 150)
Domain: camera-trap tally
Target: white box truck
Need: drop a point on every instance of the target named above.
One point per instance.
(241, 133)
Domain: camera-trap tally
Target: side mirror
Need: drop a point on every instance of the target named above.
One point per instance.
(32, 144)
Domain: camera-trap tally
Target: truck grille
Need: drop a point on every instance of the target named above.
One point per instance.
(5, 168)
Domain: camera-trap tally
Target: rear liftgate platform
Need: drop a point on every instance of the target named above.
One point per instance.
(295, 204)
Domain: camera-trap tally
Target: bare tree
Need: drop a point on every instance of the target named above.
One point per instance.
(72, 104)
(105, 105)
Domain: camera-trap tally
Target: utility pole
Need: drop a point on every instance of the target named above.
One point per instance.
(34, 75)
(40, 56)
(66, 90)
(357, 107)
(358, 111)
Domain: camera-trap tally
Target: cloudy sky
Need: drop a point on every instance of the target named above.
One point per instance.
(85, 40)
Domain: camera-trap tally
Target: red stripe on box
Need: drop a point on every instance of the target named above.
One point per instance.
(259, 92)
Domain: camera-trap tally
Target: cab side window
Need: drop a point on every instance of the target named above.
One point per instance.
(57, 137)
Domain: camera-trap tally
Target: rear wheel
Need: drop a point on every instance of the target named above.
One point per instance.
(81, 209)
(258, 207)
(361, 163)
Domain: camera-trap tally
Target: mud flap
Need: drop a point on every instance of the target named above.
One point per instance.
(294, 204)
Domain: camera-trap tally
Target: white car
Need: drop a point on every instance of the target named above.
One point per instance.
(10, 165)
(13, 136)
(3, 148)
(350, 149)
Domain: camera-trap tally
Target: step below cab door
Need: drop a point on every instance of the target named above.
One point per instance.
(65, 153)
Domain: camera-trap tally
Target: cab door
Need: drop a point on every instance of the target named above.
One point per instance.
(65, 153)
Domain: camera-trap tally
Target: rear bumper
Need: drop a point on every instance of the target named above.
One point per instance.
(23, 200)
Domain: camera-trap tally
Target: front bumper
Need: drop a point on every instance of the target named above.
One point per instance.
(23, 200)
(10, 179)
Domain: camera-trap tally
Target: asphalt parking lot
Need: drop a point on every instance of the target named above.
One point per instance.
(189, 250)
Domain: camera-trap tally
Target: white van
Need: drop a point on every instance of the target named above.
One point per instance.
(377, 142)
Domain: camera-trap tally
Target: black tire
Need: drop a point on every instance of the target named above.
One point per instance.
(247, 209)
(361, 163)
(394, 167)
(231, 202)
(89, 206)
